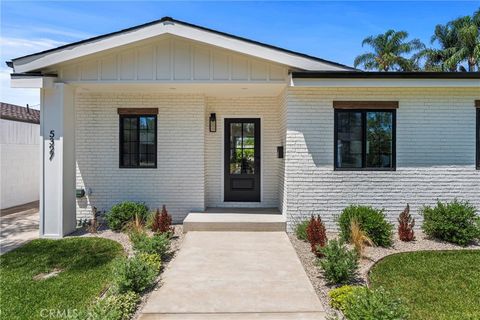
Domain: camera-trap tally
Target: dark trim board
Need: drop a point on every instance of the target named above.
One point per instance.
(478, 139)
(365, 104)
(477, 103)
(138, 111)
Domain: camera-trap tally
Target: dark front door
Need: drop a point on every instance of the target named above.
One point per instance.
(242, 160)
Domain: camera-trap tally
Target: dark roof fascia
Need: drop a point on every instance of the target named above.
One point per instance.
(169, 19)
(32, 74)
(383, 75)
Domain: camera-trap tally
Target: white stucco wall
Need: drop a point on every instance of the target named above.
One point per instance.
(20, 166)
(435, 153)
(265, 108)
(178, 182)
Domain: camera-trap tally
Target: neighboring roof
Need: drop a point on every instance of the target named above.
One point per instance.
(283, 56)
(383, 75)
(18, 113)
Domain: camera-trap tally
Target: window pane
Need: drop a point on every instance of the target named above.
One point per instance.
(349, 140)
(379, 139)
(248, 161)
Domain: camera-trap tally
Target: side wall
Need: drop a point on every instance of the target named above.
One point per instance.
(178, 182)
(265, 108)
(435, 153)
(20, 163)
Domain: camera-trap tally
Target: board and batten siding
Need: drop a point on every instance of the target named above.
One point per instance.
(178, 182)
(265, 108)
(20, 163)
(435, 153)
(170, 58)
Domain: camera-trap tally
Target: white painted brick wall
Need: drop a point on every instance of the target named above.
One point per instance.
(435, 153)
(178, 182)
(259, 107)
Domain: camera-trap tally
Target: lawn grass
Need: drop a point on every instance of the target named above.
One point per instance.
(434, 284)
(86, 270)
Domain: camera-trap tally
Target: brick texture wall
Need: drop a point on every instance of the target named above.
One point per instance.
(178, 182)
(435, 153)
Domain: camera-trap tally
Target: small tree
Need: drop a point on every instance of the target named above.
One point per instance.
(316, 234)
(405, 225)
(162, 222)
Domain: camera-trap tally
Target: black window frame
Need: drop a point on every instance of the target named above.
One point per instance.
(364, 112)
(478, 137)
(121, 138)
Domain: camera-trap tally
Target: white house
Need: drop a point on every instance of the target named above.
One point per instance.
(20, 157)
(172, 113)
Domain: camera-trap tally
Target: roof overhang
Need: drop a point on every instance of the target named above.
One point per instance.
(44, 59)
(25, 80)
(386, 79)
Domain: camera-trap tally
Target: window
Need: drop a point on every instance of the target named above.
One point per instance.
(138, 140)
(365, 139)
(477, 104)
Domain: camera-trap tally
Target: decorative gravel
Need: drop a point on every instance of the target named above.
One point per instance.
(371, 256)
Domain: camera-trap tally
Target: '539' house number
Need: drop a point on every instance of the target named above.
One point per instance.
(52, 144)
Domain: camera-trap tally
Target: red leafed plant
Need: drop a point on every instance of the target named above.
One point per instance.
(405, 225)
(316, 234)
(162, 221)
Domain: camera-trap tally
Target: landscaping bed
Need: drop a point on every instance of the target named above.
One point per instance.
(55, 277)
(416, 271)
(372, 255)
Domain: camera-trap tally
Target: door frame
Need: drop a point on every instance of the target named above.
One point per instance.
(222, 183)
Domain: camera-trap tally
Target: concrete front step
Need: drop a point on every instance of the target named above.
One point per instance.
(234, 222)
(237, 316)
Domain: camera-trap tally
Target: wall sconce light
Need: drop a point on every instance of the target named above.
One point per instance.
(212, 121)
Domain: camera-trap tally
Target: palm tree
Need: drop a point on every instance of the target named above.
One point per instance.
(467, 47)
(435, 59)
(388, 51)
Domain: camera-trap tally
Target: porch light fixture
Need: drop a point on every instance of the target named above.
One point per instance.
(212, 121)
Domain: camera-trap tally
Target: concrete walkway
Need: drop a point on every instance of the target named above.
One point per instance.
(235, 275)
(18, 226)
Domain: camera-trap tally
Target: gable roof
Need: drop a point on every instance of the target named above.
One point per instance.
(168, 25)
(18, 113)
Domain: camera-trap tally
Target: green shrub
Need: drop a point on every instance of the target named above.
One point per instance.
(134, 274)
(365, 303)
(339, 265)
(339, 295)
(152, 259)
(455, 222)
(301, 230)
(113, 307)
(125, 212)
(372, 221)
(155, 244)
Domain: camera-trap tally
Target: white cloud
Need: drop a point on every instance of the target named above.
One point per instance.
(12, 47)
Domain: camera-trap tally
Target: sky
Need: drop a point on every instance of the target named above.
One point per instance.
(332, 30)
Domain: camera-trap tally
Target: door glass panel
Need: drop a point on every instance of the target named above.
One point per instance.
(349, 140)
(242, 148)
(379, 139)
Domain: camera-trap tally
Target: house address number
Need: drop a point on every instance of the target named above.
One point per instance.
(52, 144)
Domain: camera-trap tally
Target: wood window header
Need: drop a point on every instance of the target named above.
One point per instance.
(137, 111)
(477, 103)
(365, 104)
